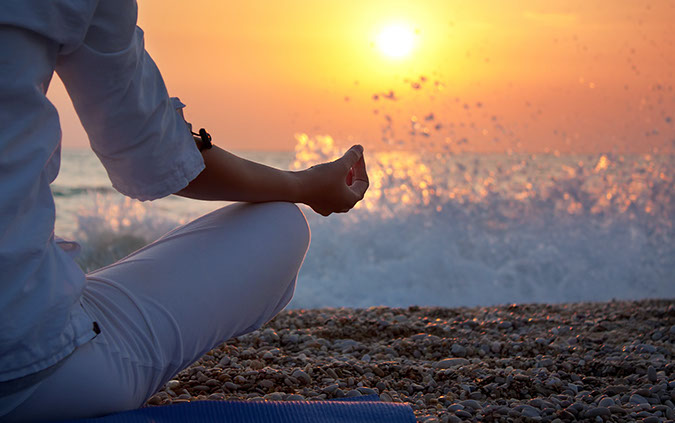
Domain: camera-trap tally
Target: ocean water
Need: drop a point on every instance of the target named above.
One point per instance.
(436, 228)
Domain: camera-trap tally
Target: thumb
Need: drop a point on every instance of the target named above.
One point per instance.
(352, 156)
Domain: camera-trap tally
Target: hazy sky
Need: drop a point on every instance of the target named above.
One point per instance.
(483, 75)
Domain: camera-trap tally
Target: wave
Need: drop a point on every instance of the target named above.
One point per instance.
(460, 230)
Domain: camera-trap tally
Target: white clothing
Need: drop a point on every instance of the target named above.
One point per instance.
(161, 308)
(144, 144)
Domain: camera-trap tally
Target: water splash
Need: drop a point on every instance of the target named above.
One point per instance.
(484, 229)
(115, 226)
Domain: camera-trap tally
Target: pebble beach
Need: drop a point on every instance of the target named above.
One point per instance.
(593, 362)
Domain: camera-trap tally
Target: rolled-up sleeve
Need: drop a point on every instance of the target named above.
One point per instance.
(132, 123)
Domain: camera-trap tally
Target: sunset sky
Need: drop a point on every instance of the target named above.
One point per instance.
(524, 75)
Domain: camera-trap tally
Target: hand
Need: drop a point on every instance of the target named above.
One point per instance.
(337, 186)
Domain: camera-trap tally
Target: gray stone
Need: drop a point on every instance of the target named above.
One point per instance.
(528, 411)
(450, 363)
(463, 414)
(173, 384)
(366, 391)
(638, 399)
(471, 404)
(606, 402)
(645, 348)
(302, 377)
(458, 350)
(598, 411)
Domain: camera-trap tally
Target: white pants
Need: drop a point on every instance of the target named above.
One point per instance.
(161, 308)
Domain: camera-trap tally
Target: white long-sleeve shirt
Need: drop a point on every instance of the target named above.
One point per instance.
(134, 129)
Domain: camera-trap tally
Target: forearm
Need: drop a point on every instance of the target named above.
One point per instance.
(231, 178)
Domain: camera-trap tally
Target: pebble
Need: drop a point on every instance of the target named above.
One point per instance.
(173, 384)
(606, 402)
(463, 414)
(450, 363)
(598, 411)
(638, 399)
(302, 377)
(458, 350)
(471, 404)
(651, 374)
(528, 411)
(366, 391)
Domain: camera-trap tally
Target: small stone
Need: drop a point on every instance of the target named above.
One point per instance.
(366, 391)
(173, 384)
(463, 414)
(651, 374)
(471, 404)
(155, 400)
(615, 409)
(646, 348)
(606, 402)
(505, 325)
(651, 419)
(638, 399)
(458, 350)
(266, 383)
(295, 397)
(256, 364)
(598, 411)
(302, 377)
(386, 397)
(353, 393)
(275, 396)
(231, 386)
(450, 363)
(528, 411)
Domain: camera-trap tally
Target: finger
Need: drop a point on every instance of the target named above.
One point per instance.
(350, 177)
(359, 187)
(352, 156)
(359, 170)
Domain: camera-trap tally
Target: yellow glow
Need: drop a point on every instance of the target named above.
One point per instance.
(396, 41)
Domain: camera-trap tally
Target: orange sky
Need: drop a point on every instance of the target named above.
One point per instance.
(521, 75)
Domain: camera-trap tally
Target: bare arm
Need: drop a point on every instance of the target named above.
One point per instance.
(332, 187)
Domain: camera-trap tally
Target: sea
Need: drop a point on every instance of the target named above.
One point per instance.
(436, 228)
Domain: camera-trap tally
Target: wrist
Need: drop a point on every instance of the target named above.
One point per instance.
(298, 183)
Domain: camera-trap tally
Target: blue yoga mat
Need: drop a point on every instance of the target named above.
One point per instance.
(368, 409)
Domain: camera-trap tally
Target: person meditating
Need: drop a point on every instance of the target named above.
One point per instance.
(75, 345)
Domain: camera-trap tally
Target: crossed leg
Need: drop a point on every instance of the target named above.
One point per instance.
(161, 308)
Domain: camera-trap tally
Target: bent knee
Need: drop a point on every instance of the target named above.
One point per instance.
(288, 218)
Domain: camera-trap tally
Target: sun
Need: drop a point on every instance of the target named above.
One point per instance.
(396, 41)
